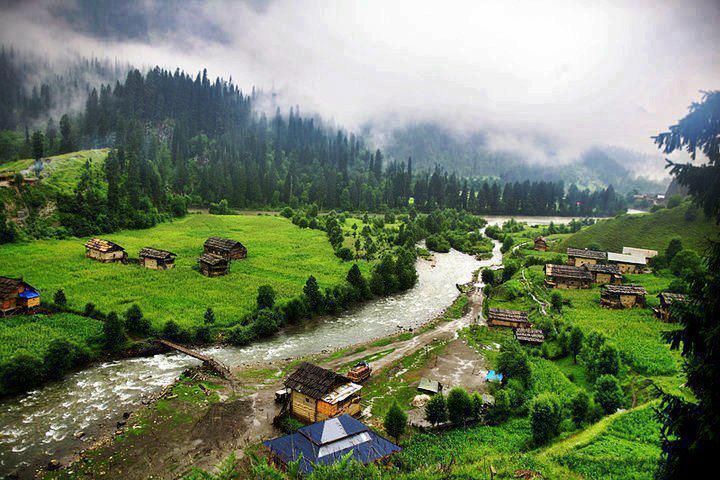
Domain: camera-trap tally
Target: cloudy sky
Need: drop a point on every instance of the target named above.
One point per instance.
(574, 72)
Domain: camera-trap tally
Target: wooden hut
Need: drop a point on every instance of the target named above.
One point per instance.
(226, 248)
(541, 244)
(499, 317)
(622, 296)
(627, 263)
(640, 252)
(104, 251)
(318, 394)
(17, 295)
(530, 336)
(567, 276)
(580, 256)
(156, 259)
(604, 273)
(213, 265)
(667, 300)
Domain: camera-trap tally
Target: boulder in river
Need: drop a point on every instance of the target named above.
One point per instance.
(53, 465)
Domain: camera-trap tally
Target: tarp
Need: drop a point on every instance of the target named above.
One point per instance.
(29, 294)
(492, 376)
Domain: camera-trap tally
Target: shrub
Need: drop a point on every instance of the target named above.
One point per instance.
(459, 406)
(545, 417)
(344, 254)
(575, 342)
(507, 244)
(395, 421)
(209, 316)
(437, 243)
(436, 409)
(608, 393)
(113, 332)
(513, 363)
(135, 322)
(89, 309)
(265, 297)
(312, 294)
(608, 361)
(580, 407)
(500, 411)
(556, 302)
(23, 371)
(686, 263)
(266, 323)
(59, 298)
(487, 276)
(202, 334)
(509, 270)
(240, 335)
(61, 356)
(294, 310)
(171, 330)
(673, 248)
(287, 212)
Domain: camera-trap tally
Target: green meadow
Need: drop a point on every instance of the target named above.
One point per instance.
(280, 254)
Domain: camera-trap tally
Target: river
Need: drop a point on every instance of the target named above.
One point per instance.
(42, 424)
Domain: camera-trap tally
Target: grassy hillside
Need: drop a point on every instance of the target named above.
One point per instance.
(279, 254)
(649, 230)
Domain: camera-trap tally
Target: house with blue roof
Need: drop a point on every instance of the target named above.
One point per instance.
(327, 442)
(15, 294)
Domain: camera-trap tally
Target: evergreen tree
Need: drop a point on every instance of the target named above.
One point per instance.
(436, 409)
(265, 297)
(608, 393)
(459, 406)
(135, 322)
(38, 145)
(209, 316)
(113, 332)
(312, 294)
(395, 421)
(545, 417)
(59, 297)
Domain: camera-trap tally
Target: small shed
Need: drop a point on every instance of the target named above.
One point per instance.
(17, 295)
(226, 248)
(156, 259)
(328, 442)
(567, 276)
(213, 265)
(667, 300)
(499, 317)
(604, 273)
(104, 251)
(627, 263)
(645, 253)
(318, 394)
(531, 336)
(541, 244)
(622, 296)
(580, 256)
(430, 386)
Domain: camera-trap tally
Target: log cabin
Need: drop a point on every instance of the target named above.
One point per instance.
(530, 336)
(567, 276)
(156, 259)
(541, 244)
(580, 256)
(499, 317)
(213, 265)
(627, 263)
(622, 296)
(667, 300)
(640, 252)
(603, 274)
(318, 394)
(328, 442)
(105, 251)
(226, 248)
(17, 295)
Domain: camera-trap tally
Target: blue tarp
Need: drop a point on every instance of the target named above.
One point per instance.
(492, 376)
(326, 442)
(28, 294)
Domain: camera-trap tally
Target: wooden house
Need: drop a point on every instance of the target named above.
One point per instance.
(317, 394)
(17, 295)
(530, 336)
(667, 300)
(104, 251)
(604, 273)
(567, 276)
(580, 256)
(156, 259)
(213, 265)
(640, 252)
(499, 317)
(627, 263)
(226, 248)
(622, 296)
(541, 244)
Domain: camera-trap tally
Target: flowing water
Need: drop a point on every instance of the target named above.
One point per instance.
(43, 424)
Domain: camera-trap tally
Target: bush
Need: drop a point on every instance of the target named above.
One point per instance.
(344, 254)
(240, 335)
(436, 409)
(287, 212)
(23, 371)
(513, 363)
(487, 276)
(209, 316)
(501, 410)
(575, 342)
(459, 406)
(135, 322)
(266, 323)
(608, 393)
(61, 356)
(395, 421)
(437, 243)
(171, 330)
(312, 294)
(580, 408)
(686, 263)
(265, 297)
(89, 309)
(202, 334)
(545, 417)
(608, 361)
(59, 298)
(556, 301)
(113, 332)
(673, 248)
(294, 310)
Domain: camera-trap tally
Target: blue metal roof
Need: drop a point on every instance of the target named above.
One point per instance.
(326, 442)
(28, 294)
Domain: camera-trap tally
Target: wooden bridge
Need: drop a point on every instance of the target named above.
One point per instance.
(207, 361)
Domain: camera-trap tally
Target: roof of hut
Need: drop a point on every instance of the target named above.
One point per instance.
(567, 271)
(640, 252)
(102, 245)
(534, 335)
(600, 268)
(622, 258)
(313, 381)
(585, 253)
(150, 252)
(212, 260)
(222, 243)
(625, 289)
(8, 286)
(540, 239)
(669, 298)
(508, 315)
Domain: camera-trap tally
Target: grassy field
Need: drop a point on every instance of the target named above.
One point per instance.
(649, 230)
(279, 254)
(33, 333)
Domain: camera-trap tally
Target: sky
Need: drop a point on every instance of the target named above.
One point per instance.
(570, 73)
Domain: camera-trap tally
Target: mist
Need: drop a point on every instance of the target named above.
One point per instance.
(544, 79)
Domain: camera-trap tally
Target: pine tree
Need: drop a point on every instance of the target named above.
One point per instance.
(395, 421)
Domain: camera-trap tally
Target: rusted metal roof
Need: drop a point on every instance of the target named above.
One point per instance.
(315, 382)
(585, 253)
